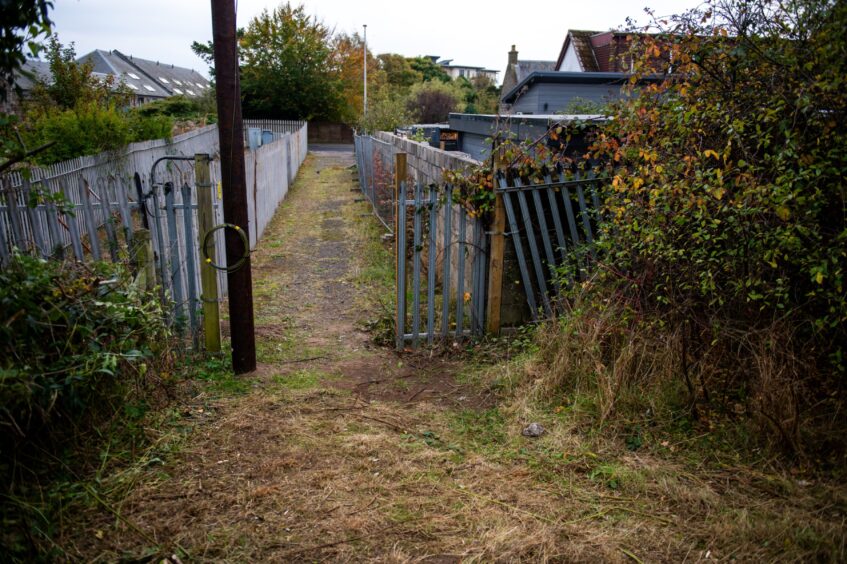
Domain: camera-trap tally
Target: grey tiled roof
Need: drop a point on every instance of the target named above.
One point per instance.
(525, 68)
(109, 62)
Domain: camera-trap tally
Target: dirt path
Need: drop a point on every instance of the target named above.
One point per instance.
(338, 450)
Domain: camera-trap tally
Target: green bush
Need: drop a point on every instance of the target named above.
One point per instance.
(726, 229)
(70, 337)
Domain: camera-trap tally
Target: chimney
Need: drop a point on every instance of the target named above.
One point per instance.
(513, 56)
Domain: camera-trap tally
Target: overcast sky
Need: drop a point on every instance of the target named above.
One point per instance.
(469, 32)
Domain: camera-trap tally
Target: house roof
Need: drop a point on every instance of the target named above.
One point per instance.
(562, 77)
(145, 77)
(171, 78)
(525, 68)
(38, 70)
(109, 63)
(581, 40)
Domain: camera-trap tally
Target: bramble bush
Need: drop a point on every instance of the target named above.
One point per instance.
(726, 210)
(71, 336)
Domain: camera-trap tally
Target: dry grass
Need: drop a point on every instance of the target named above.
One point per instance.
(302, 468)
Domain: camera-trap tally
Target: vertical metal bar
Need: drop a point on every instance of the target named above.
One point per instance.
(460, 276)
(190, 258)
(108, 219)
(57, 245)
(445, 280)
(400, 323)
(72, 224)
(173, 251)
(416, 268)
(479, 289)
(160, 238)
(516, 239)
(123, 204)
(88, 213)
(595, 197)
(34, 216)
(586, 223)
(18, 239)
(430, 290)
(566, 199)
(545, 234)
(557, 219)
(533, 249)
(4, 244)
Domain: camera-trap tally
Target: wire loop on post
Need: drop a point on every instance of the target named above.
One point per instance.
(240, 262)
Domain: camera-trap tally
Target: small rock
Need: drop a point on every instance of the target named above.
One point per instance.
(533, 430)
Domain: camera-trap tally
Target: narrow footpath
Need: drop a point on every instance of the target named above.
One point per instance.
(337, 449)
(340, 450)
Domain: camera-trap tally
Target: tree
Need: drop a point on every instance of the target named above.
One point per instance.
(23, 21)
(431, 102)
(73, 83)
(428, 70)
(398, 72)
(287, 70)
(347, 64)
(82, 114)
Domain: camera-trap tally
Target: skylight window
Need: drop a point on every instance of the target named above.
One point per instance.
(163, 79)
(133, 76)
(177, 82)
(177, 90)
(200, 86)
(134, 87)
(190, 92)
(149, 88)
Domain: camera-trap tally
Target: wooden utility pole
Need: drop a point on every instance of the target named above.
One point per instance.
(231, 132)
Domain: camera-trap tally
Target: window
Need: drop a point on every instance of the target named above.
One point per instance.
(133, 76)
(200, 86)
(149, 88)
(177, 82)
(190, 92)
(164, 80)
(178, 91)
(134, 87)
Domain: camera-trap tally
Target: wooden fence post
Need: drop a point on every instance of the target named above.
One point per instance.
(400, 173)
(142, 253)
(495, 262)
(208, 276)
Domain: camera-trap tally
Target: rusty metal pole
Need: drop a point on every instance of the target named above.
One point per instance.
(231, 133)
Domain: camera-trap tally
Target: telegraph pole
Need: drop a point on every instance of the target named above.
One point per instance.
(365, 58)
(231, 133)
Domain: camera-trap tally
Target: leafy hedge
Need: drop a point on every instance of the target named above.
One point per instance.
(70, 337)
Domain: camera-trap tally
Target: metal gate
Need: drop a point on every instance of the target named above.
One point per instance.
(441, 267)
(557, 230)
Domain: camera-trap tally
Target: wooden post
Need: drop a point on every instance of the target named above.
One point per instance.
(208, 277)
(495, 261)
(233, 180)
(142, 254)
(400, 173)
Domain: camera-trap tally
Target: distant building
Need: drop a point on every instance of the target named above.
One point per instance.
(149, 80)
(470, 73)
